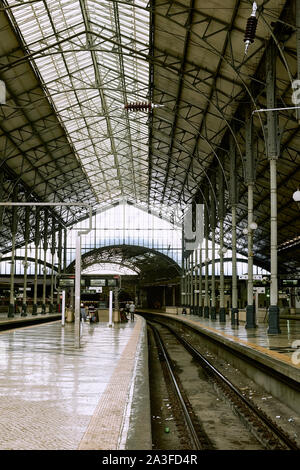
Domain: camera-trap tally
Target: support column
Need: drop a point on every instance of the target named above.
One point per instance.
(233, 201)
(273, 150)
(222, 312)
(53, 245)
(164, 297)
(192, 306)
(173, 296)
(45, 246)
(196, 295)
(65, 251)
(25, 262)
(188, 281)
(14, 228)
(200, 281)
(298, 48)
(77, 290)
(249, 178)
(206, 228)
(59, 260)
(2, 193)
(116, 296)
(250, 309)
(36, 244)
(182, 282)
(213, 246)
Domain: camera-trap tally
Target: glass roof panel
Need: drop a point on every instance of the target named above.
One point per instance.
(86, 53)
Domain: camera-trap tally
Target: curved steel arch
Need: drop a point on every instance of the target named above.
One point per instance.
(136, 257)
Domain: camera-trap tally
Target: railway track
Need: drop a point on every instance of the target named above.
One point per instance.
(27, 321)
(266, 432)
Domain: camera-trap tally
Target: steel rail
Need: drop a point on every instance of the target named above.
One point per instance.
(292, 445)
(168, 363)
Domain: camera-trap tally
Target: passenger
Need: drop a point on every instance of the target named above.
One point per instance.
(92, 313)
(123, 315)
(132, 310)
(82, 313)
(127, 307)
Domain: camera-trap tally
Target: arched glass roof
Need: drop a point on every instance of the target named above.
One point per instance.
(70, 67)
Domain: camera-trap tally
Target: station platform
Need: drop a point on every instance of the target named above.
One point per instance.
(277, 354)
(281, 347)
(54, 396)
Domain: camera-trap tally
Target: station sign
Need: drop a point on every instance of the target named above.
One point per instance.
(68, 280)
(256, 277)
(259, 290)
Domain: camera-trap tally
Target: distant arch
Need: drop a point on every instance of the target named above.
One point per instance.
(146, 262)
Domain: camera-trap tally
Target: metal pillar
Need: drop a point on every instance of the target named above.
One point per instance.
(200, 281)
(25, 262)
(250, 309)
(182, 281)
(63, 305)
(222, 311)
(188, 281)
(45, 246)
(2, 192)
(110, 322)
(36, 244)
(116, 296)
(213, 247)
(53, 246)
(249, 178)
(78, 280)
(77, 290)
(14, 226)
(206, 228)
(192, 283)
(173, 296)
(273, 150)
(196, 295)
(65, 250)
(59, 259)
(298, 48)
(233, 201)
(164, 296)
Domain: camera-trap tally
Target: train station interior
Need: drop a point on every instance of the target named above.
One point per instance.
(150, 172)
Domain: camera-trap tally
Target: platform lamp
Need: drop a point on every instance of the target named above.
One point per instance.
(296, 197)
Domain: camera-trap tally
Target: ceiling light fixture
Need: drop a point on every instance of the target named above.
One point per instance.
(296, 195)
(141, 106)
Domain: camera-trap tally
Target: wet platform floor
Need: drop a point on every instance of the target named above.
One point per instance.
(49, 391)
(284, 347)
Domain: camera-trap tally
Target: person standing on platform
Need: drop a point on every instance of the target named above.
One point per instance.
(82, 312)
(92, 313)
(132, 310)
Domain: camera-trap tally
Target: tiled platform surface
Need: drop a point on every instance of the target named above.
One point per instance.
(56, 397)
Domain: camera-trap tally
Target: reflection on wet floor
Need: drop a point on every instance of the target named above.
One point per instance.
(286, 342)
(48, 389)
